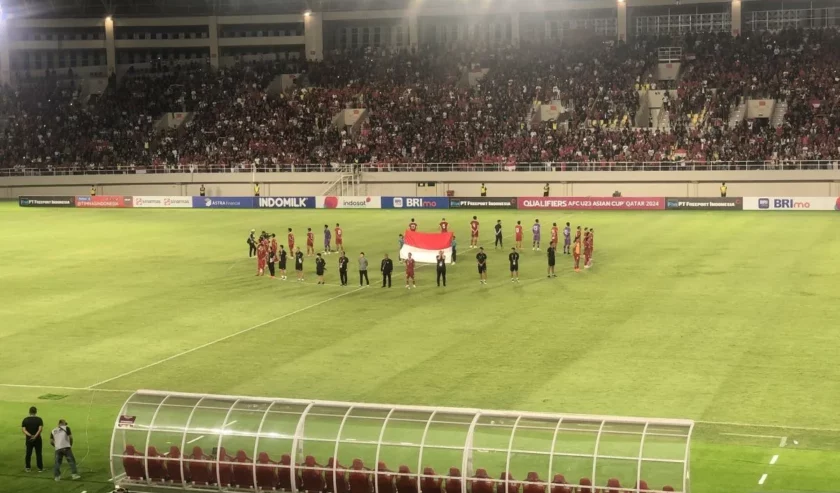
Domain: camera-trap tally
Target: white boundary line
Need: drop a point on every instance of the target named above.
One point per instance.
(774, 459)
(55, 387)
(221, 339)
(773, 427)
(195, 440)
(775, 437)
(763, 478)
(783, 442)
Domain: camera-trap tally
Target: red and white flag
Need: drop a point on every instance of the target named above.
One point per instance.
(425, 247)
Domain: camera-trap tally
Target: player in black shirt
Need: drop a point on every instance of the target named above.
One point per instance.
(498, 228)
(272, 258)
(386, 267)
(320, 267)
(281, 264)
(513, 258)
(342, 268)
(481, 258)
(441, 268)
(299, 264)
(552, 250)
(32, 426)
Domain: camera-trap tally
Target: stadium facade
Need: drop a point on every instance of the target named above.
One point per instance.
(99, 39)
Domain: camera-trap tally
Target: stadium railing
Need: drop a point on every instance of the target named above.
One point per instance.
(570, 166)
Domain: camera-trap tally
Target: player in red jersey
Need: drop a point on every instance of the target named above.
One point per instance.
(587, 249)
(262, 253)
(272, 247)
(444, 226)
(409, 272)
(310, 242)
(339, 238)
(554, 235)
(576, 253)
(517, 231)
(412, 226)
(291, 240)
(474, 232)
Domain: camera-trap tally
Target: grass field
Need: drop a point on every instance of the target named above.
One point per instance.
(730, 319)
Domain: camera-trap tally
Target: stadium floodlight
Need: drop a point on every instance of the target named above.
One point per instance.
(307, 13)
(254, 443)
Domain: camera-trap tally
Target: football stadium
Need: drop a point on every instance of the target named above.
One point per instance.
(349, 246)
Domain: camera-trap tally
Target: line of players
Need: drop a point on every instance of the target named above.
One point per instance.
(268, 252)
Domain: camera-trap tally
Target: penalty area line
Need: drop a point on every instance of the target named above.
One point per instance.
(221, 339)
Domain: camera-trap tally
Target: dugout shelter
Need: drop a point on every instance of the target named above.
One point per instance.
(165, 441)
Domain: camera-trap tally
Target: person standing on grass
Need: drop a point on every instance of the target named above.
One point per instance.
(513, 258)
(327, 239)
(281, 264)
(320, 267)
(409, 272)
(262, 253)
(363, 266)
(454, 250)
(272, 258)
(481, 259)
(252, 244)
(387, 268)
(441, 268)
(62, 439)
(552, 251)
(310, 242)
(498, 228)
(342, 268)
(299, 264)
(32, 426)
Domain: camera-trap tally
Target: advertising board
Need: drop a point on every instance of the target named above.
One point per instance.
(483, 203)
(286, 202)
(592, 203)
(224, 202)
(415, 202)
(163, 201)
(792, 203)
(47, 201)
(104, 201)
(348, 202)
(704, 203)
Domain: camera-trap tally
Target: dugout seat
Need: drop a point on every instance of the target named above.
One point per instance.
(338, 482)
(534, 484)
(667, 488)
(154, 465)
(284, 474)
(225, 472)
(558, 484)
(312, 480)
(642, 485)
(480, 483)
(613, 485)
(201, 473)
(243, 470)
(133, 464)
(430, 485)
(453, 482)
(384, 479)
(359, 478)
(585, 485)
(266, 472)
(173, 464)
(406, 483)
(510, 487)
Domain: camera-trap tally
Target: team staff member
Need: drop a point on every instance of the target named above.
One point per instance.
(32, 426)
(252, 244)
(513, 258)
(62, 439)
(454, 250)
(483, 190)
(498, 228)
(320, 267)
(281, 264)
(363, 266)
(551, 251)
(481, 259)
(387, 268)
(272, 258)
(723, 189)
(546, 190)
(342, 268)
(202, 191)
(256, 189)
(299, 264)
(441, 268)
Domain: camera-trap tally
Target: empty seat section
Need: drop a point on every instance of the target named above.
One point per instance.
(225, 472)
(585, 485)
(510, 486)
(480, 482)
(533, 484)
(201, 471)
(384, 479)
(336, 477)
(558, 484)
(312, 479)
(453, 482)
(243, 470)
(406, 482)
(154, 465)
(266, 472)
(359, 479)
(284, 474)
(428, 484)
(133, 464)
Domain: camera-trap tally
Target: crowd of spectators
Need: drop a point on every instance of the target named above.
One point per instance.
(421, 108)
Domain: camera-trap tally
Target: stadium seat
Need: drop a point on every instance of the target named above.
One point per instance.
(406, 483)
(154, 465)
(359, 479)
(133, 465)
(338, 483)
(266, 472)
(558, 484)
(510, 487)
(430, 485)
(284, 474)
(535, 484)
(173, 465)
(642, 485)
(312, 480)
(480, 483)
(225, 472)
(453, 482)
(613, 485)
(667, 488)
(384, 480)
(585, 485)
(243, 470)
(201, 473)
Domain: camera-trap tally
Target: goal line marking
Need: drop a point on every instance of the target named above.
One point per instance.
(221, 339)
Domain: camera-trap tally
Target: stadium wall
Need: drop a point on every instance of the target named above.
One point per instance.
(811, 183)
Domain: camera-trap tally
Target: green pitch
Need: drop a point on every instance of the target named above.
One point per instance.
(730, 319)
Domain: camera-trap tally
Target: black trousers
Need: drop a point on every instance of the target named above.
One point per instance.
(271, 268)
(342, 274)
(35, 445)
(386, 275)
(441, 274)
(252, 250)
(363, 277)
(454, 255)
(499, 241)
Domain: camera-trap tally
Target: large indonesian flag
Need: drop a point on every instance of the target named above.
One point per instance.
(424, 247)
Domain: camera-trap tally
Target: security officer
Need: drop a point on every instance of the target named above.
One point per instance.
(483, 190)
(256, 189)
(202, 191)
(546, 190)
(32, 427)
(93, 190)
(387, 268)
(252, 244)
(723, 189)
(62, 439)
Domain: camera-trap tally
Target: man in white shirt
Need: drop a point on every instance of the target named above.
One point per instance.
(62, 439)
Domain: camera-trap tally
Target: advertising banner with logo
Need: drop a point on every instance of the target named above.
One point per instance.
(104, 201)
(47, 201)
(592, 203)
(224, 202)
(792, 203)
(166, 202)
(704, 203)
(286, 202)
(415, 202)
(345, 202)
(483, 203)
